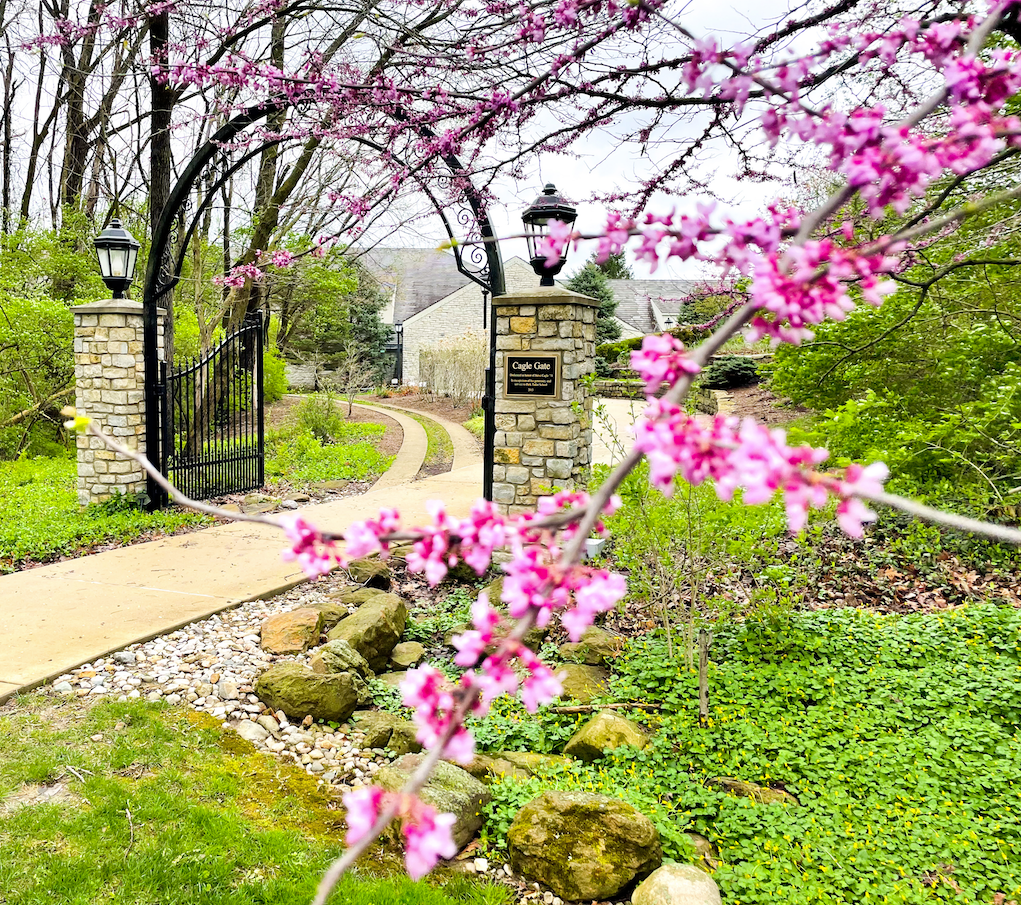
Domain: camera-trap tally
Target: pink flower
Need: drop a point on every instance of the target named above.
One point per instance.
(428, 838)
(315, 555)
(363, 806)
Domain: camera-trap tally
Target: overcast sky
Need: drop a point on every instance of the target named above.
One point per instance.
(602, 167)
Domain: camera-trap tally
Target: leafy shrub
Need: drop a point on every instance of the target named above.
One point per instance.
(274, 379)
(319, 415)
(304, 459)
(727, 372)
(612, 352)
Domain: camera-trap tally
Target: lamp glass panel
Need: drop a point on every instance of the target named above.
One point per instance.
(118, 262)
(132, 258)
(104, 260)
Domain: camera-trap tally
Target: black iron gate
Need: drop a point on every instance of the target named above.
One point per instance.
(212, 414)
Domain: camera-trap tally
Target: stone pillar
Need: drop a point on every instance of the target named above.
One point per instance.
(110, 388)
(545, 344)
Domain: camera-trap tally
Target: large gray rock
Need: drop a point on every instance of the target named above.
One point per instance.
(299, 692)
(677, 884)
(583, 683)
(340, 656)
(292, 633)
(374, 629)
(354, 597)
(596, 647)
(582, 846)
(604, 732)
(450, 790)
(377, 726)
(372, 573)
(752, 790)
(407, 653)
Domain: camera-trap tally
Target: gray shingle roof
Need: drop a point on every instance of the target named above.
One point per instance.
(418, 277)
(635, 299)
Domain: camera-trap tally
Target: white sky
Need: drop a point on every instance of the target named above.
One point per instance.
(600, 169)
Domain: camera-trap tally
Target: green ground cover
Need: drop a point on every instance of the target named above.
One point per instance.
(40, 519)
(160, 805)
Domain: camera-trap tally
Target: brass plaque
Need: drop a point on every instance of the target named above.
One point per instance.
(531, 375)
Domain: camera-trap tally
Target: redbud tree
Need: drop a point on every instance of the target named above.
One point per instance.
(889, 103)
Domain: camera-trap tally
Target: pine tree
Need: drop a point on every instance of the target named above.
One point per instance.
(591, 281)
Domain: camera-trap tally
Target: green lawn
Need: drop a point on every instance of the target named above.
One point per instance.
(40, 519)
(162, 806)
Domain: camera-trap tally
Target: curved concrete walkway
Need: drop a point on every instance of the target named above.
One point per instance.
(410, 456)
(467, 450)
(56, 617)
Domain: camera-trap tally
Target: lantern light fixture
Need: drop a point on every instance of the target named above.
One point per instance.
(549, 206)
(117, 251)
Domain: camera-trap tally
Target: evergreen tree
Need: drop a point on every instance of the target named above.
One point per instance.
(591, 281)
(615, 267)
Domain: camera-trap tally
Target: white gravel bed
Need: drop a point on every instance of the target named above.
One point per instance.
(212, 665)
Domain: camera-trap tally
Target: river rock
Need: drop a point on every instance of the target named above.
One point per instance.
(403, 738)
(450, 790)
(677, 884)
(581, 845)
(292, 633)
(376, 725)
(583, 683)
(761, 794)
(339, 656)
(370, 573)
(252, 732)
(604, 732)
(596, 647)
(406, 654)
(354, 597)
(299, 692)
(332, 612)
(374, 629)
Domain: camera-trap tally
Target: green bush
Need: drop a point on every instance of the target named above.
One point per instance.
(726, 372)
(319, 415)
(274, 378)
(612, 352)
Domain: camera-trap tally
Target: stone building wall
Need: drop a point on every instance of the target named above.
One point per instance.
(110, 388)
(543, 445)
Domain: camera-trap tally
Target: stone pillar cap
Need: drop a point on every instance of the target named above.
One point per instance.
(113, 306)
(545, 295)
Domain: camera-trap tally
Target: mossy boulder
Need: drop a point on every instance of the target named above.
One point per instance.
(488, 769)
(352, 598)
(376, 725)
(604, 732)
(299, 692)
(374, 629)
(677, 884)
(595, 647)
(450, 790)
(406, 654)
(332, 613)
(533, 763)
(581, 845)
(340, 656)
(370, 573)
(583, 683)
(403, 740)
(761, 794)
(292, 633)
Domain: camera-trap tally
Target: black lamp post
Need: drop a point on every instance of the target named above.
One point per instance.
(117, 251)
(550, 205)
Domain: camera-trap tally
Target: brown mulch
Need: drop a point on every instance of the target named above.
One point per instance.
(762, 405)
(428, 404)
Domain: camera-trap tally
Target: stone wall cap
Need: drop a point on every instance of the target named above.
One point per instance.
(545, 295)
(113, 306)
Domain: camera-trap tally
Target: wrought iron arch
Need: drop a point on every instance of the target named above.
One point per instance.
(482, 264)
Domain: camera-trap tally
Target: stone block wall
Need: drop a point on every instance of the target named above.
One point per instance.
(110, 388)
(543, 445)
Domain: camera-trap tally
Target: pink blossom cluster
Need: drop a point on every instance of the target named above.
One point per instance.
(743, 455)
(237, 276)
(427, 834)
(662, 361)
(309, 549)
